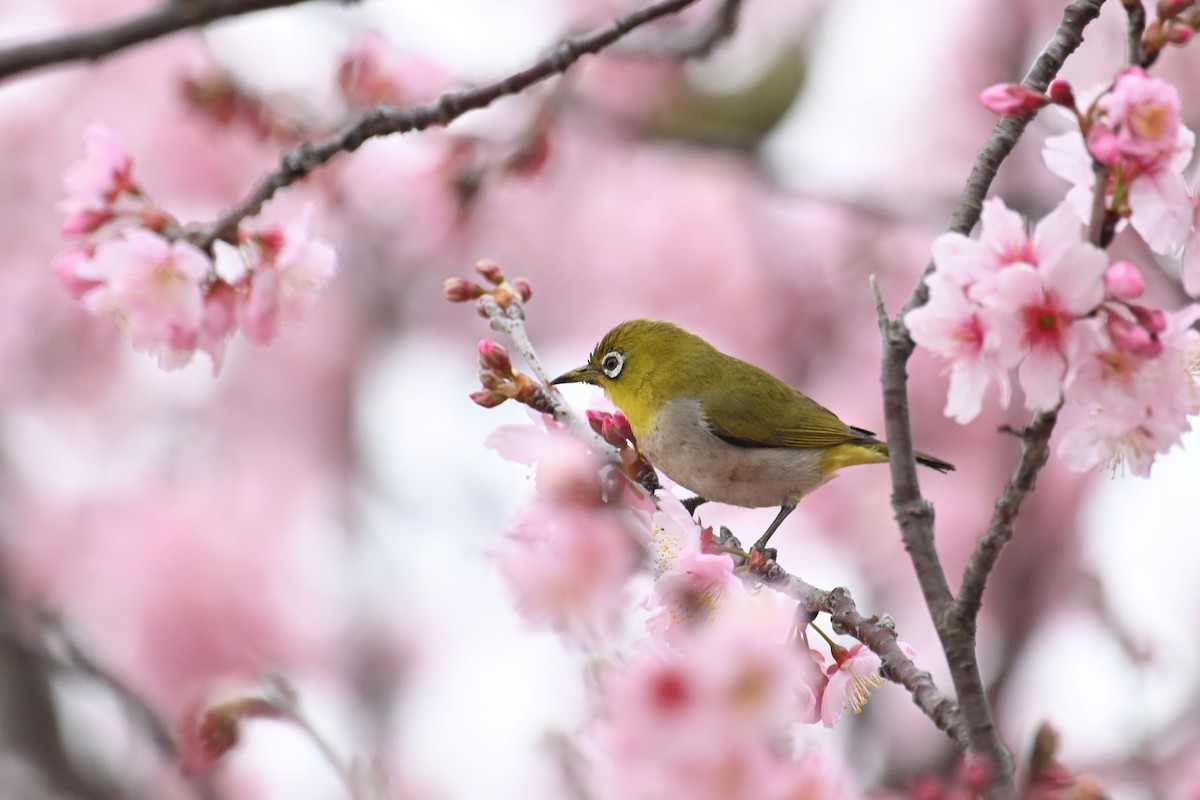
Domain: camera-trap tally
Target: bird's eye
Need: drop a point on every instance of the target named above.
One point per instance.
(612, 364)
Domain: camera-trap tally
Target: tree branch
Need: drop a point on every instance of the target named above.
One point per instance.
(880, 637)
(104, 40)
(913, 513)
(386, 120)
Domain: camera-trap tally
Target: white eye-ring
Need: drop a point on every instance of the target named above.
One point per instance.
(612, 364)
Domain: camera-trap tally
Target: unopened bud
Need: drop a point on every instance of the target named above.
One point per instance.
(460, 290)
(1132, 337)
(488, 398)
(623, 428)
(1152, 319)
(1012, 99)
(1180, 34)
(596, 419)
(492, 379)
(523, 288)
(1123, 280)
(493, 356)
(490, 270)
(609, 433)
(1061, 93)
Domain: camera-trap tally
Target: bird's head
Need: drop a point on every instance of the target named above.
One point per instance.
(641, 365)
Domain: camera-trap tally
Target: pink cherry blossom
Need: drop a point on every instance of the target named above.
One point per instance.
(153, 287)
(1128, 407)
(94, 182)
(284, 284)
(1033, 313)
(853, 676)
(1005, 300)
(1138, 133)
(690, 594)
(1142, 114)
(953, 327)
(706, 719)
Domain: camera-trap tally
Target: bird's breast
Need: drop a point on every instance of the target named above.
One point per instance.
(681, 444)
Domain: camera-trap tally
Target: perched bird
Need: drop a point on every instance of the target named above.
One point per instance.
(723, 428)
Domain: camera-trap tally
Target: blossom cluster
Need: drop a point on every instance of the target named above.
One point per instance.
(707, 698)
(1050, 305)
(133, 263)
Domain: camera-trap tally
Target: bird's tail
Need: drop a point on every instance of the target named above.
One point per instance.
(872, 451)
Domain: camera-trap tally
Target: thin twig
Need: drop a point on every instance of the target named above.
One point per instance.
(386, 120)
(104, 40)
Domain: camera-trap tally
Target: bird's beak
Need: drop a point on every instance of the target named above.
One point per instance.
(584, 374)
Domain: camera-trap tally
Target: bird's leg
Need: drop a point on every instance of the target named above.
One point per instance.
(692, 503)
(761, 544)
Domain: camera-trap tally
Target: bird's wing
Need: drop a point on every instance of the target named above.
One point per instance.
(782, 417)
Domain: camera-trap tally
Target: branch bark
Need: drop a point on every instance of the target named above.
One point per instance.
(104, 40)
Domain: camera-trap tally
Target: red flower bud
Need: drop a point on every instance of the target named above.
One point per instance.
(1180, 34)
(523, 288)
(494, 357)
(1061, 93)
(460, 290)
(596, 419)
(1012, 99)
(490, 270)
(1152, 319)
(488, 398)
(623, 428)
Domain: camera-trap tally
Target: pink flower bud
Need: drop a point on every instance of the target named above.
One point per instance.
(1123, 280)
(488, 398)
(609, 433)
(460, 290)
(1152, 319)
(1180, 34)
(596, 419)
(1061, 93)
(1012, 99)
(494, 357)
(85, 221)
(1132, 337)
(490, 270)
(621, 423)
(1103, 145)
(523, 288)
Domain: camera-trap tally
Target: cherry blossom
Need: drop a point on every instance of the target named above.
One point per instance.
(94, 182)
(1137, 133)
(153, 287)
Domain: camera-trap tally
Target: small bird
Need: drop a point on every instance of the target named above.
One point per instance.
(725, 429)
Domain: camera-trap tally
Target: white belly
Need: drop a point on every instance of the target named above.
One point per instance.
(681, 445)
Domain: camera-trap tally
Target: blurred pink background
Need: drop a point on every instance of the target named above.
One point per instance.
(323, 508)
